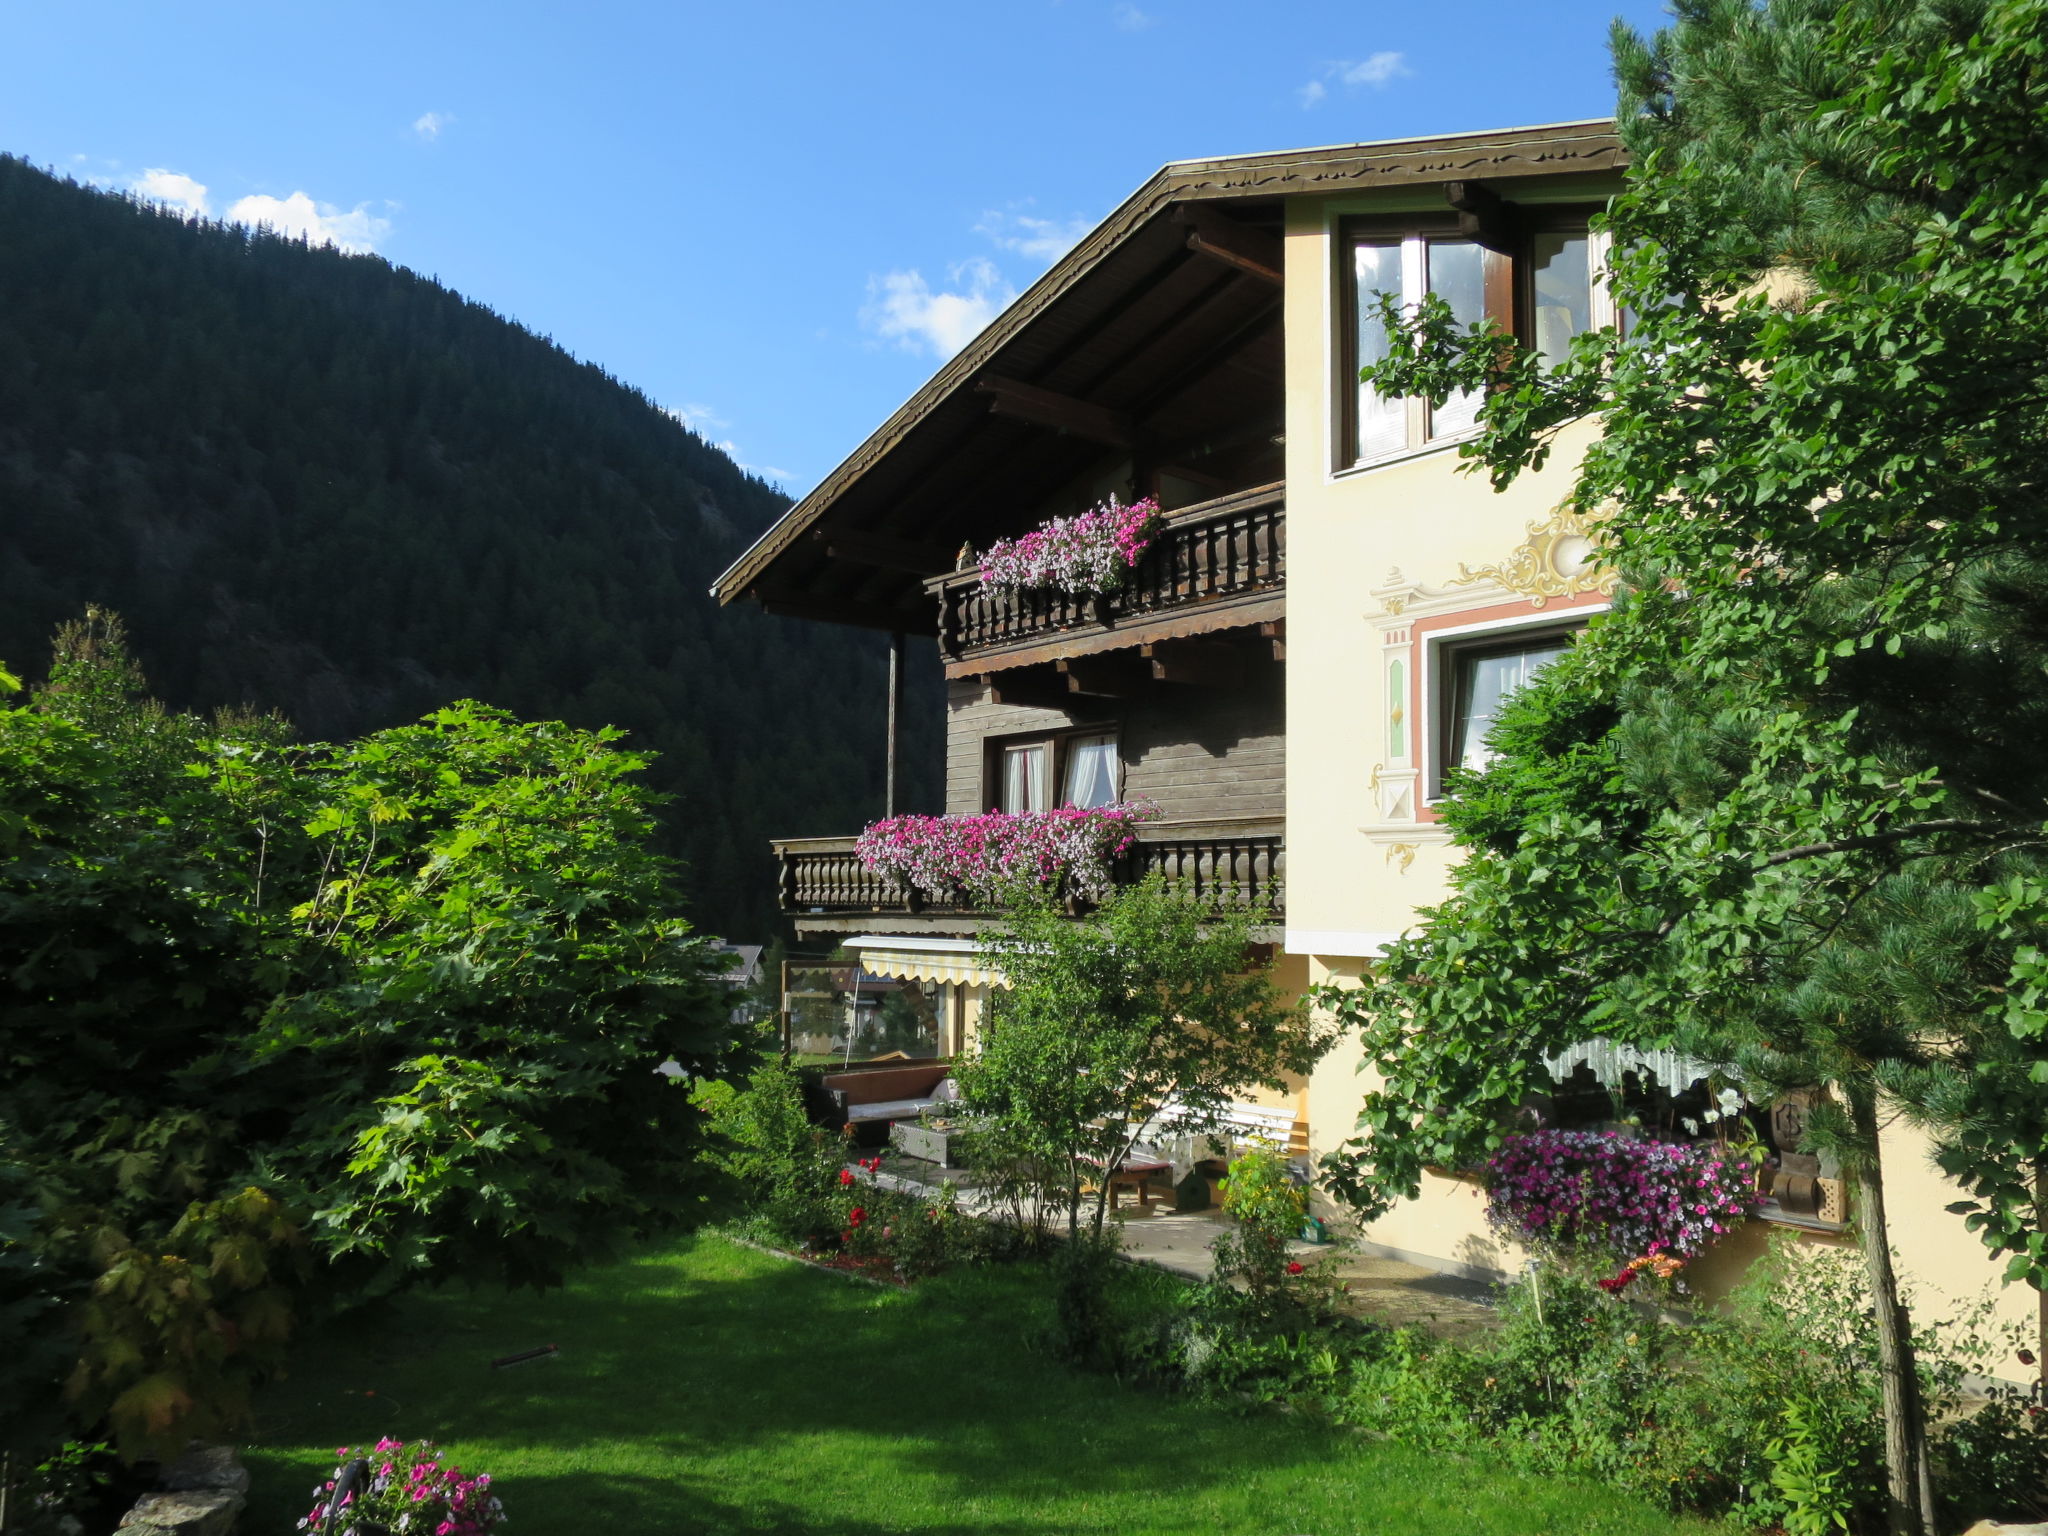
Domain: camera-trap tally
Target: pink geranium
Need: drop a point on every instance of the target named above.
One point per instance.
(988, 855)
(1084, 555)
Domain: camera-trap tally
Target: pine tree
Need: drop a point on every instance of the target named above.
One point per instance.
(1782, 807)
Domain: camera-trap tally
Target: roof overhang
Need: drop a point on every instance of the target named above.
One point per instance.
(858, 548)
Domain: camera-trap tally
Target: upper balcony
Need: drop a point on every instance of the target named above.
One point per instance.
(1216, 565)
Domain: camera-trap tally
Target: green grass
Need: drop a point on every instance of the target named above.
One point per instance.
(706, 1387)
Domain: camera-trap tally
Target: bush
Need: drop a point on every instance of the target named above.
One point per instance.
(787, 1169)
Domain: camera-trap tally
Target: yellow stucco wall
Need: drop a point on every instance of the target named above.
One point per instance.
(1354, 875)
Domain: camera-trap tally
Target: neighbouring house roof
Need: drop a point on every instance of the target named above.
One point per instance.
(746, 963)
(1165, 316)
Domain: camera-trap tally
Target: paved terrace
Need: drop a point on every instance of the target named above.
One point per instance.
(1387, 1291)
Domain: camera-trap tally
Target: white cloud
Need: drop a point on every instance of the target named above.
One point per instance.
(698, 418)
(1374, 70)
(173, 189)
(357, 229)
(1129, 18)
(428, 125)
(903, 308)
(1041, 239)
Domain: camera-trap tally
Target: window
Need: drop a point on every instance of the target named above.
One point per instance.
(1085, 767)
(1027, 776)
(1091, 771)
(1539, 286)
(1482, 677)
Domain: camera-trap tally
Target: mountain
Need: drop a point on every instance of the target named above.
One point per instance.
(323, 484)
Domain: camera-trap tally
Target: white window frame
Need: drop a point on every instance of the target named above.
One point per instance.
(1439, 677)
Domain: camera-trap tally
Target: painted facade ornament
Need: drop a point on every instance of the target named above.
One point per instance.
(1560, 558)
(1401, 855)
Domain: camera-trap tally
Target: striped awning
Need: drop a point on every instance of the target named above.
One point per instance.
(954, 960)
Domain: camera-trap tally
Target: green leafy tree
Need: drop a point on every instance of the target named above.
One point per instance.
(1147, 1004)
(1776, 808)
(286, 1022)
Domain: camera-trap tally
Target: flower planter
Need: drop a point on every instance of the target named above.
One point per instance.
(1085, 556)
(969, 859)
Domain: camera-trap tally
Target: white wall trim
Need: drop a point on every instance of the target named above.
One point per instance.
(913, 941)
(1337, 941)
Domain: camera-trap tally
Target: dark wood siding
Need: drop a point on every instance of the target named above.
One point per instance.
(1195, 752)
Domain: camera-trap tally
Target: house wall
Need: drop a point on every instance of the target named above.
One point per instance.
(1377, 560)
(1197, 753)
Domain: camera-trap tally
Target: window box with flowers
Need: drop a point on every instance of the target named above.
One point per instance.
(985, 857)
(1087, 555)
(1647, 1206)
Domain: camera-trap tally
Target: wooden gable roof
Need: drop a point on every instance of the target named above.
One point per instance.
(1163, 322)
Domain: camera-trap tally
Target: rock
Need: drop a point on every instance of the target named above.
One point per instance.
(183, 1512)
(1993, 1528)
(216, 1467)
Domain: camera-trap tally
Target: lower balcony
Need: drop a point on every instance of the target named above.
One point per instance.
(1231, 864)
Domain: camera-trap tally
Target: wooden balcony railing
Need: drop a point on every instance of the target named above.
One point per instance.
(1230, 864)
(1217, 552)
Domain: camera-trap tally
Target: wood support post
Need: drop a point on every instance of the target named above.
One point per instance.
(889, 795)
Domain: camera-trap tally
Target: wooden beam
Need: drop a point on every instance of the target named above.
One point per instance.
(1107, 675)
(884, 552)
(1217, 235)
(1062, 413)
(1483, 214)
(1275, 635)
(1196, 663)
(1029, 688)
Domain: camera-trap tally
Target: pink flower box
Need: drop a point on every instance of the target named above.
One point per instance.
(1085, 555)
(983, 857)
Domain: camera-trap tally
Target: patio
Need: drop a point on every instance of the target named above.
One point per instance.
(1383, 1290)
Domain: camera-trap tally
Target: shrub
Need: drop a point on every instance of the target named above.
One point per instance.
(788, 1170)
(1268, 1287)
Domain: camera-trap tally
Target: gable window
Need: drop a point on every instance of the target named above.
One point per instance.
(1084, 768)
(1540, 286)
(1483, 678)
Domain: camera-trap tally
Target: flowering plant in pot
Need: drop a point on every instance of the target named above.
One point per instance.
(1649, 1205)
(1085, 555)
(404, 1490)
(984, 856)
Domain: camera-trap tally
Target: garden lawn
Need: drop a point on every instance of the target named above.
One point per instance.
(705, 1386)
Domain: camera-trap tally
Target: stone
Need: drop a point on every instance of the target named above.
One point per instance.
(218, 1467)
(1993, 1528)
(183, 1512)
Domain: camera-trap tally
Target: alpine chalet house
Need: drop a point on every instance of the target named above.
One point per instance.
(1326, 620)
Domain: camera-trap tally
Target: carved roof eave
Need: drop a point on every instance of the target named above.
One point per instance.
(1555, 149)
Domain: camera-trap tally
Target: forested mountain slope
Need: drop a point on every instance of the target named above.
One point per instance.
(323, 484)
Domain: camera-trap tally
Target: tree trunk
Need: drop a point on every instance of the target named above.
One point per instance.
(2040, 1291)
(1909, 1486)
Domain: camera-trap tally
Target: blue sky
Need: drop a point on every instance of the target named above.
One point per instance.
(775, 219)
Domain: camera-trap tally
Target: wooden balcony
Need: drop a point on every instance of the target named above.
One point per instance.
(1231, 864)
(1218, 565)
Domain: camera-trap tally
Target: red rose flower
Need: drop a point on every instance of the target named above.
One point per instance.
(856, 1216)
(845, 1176)
(1295, 1266)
